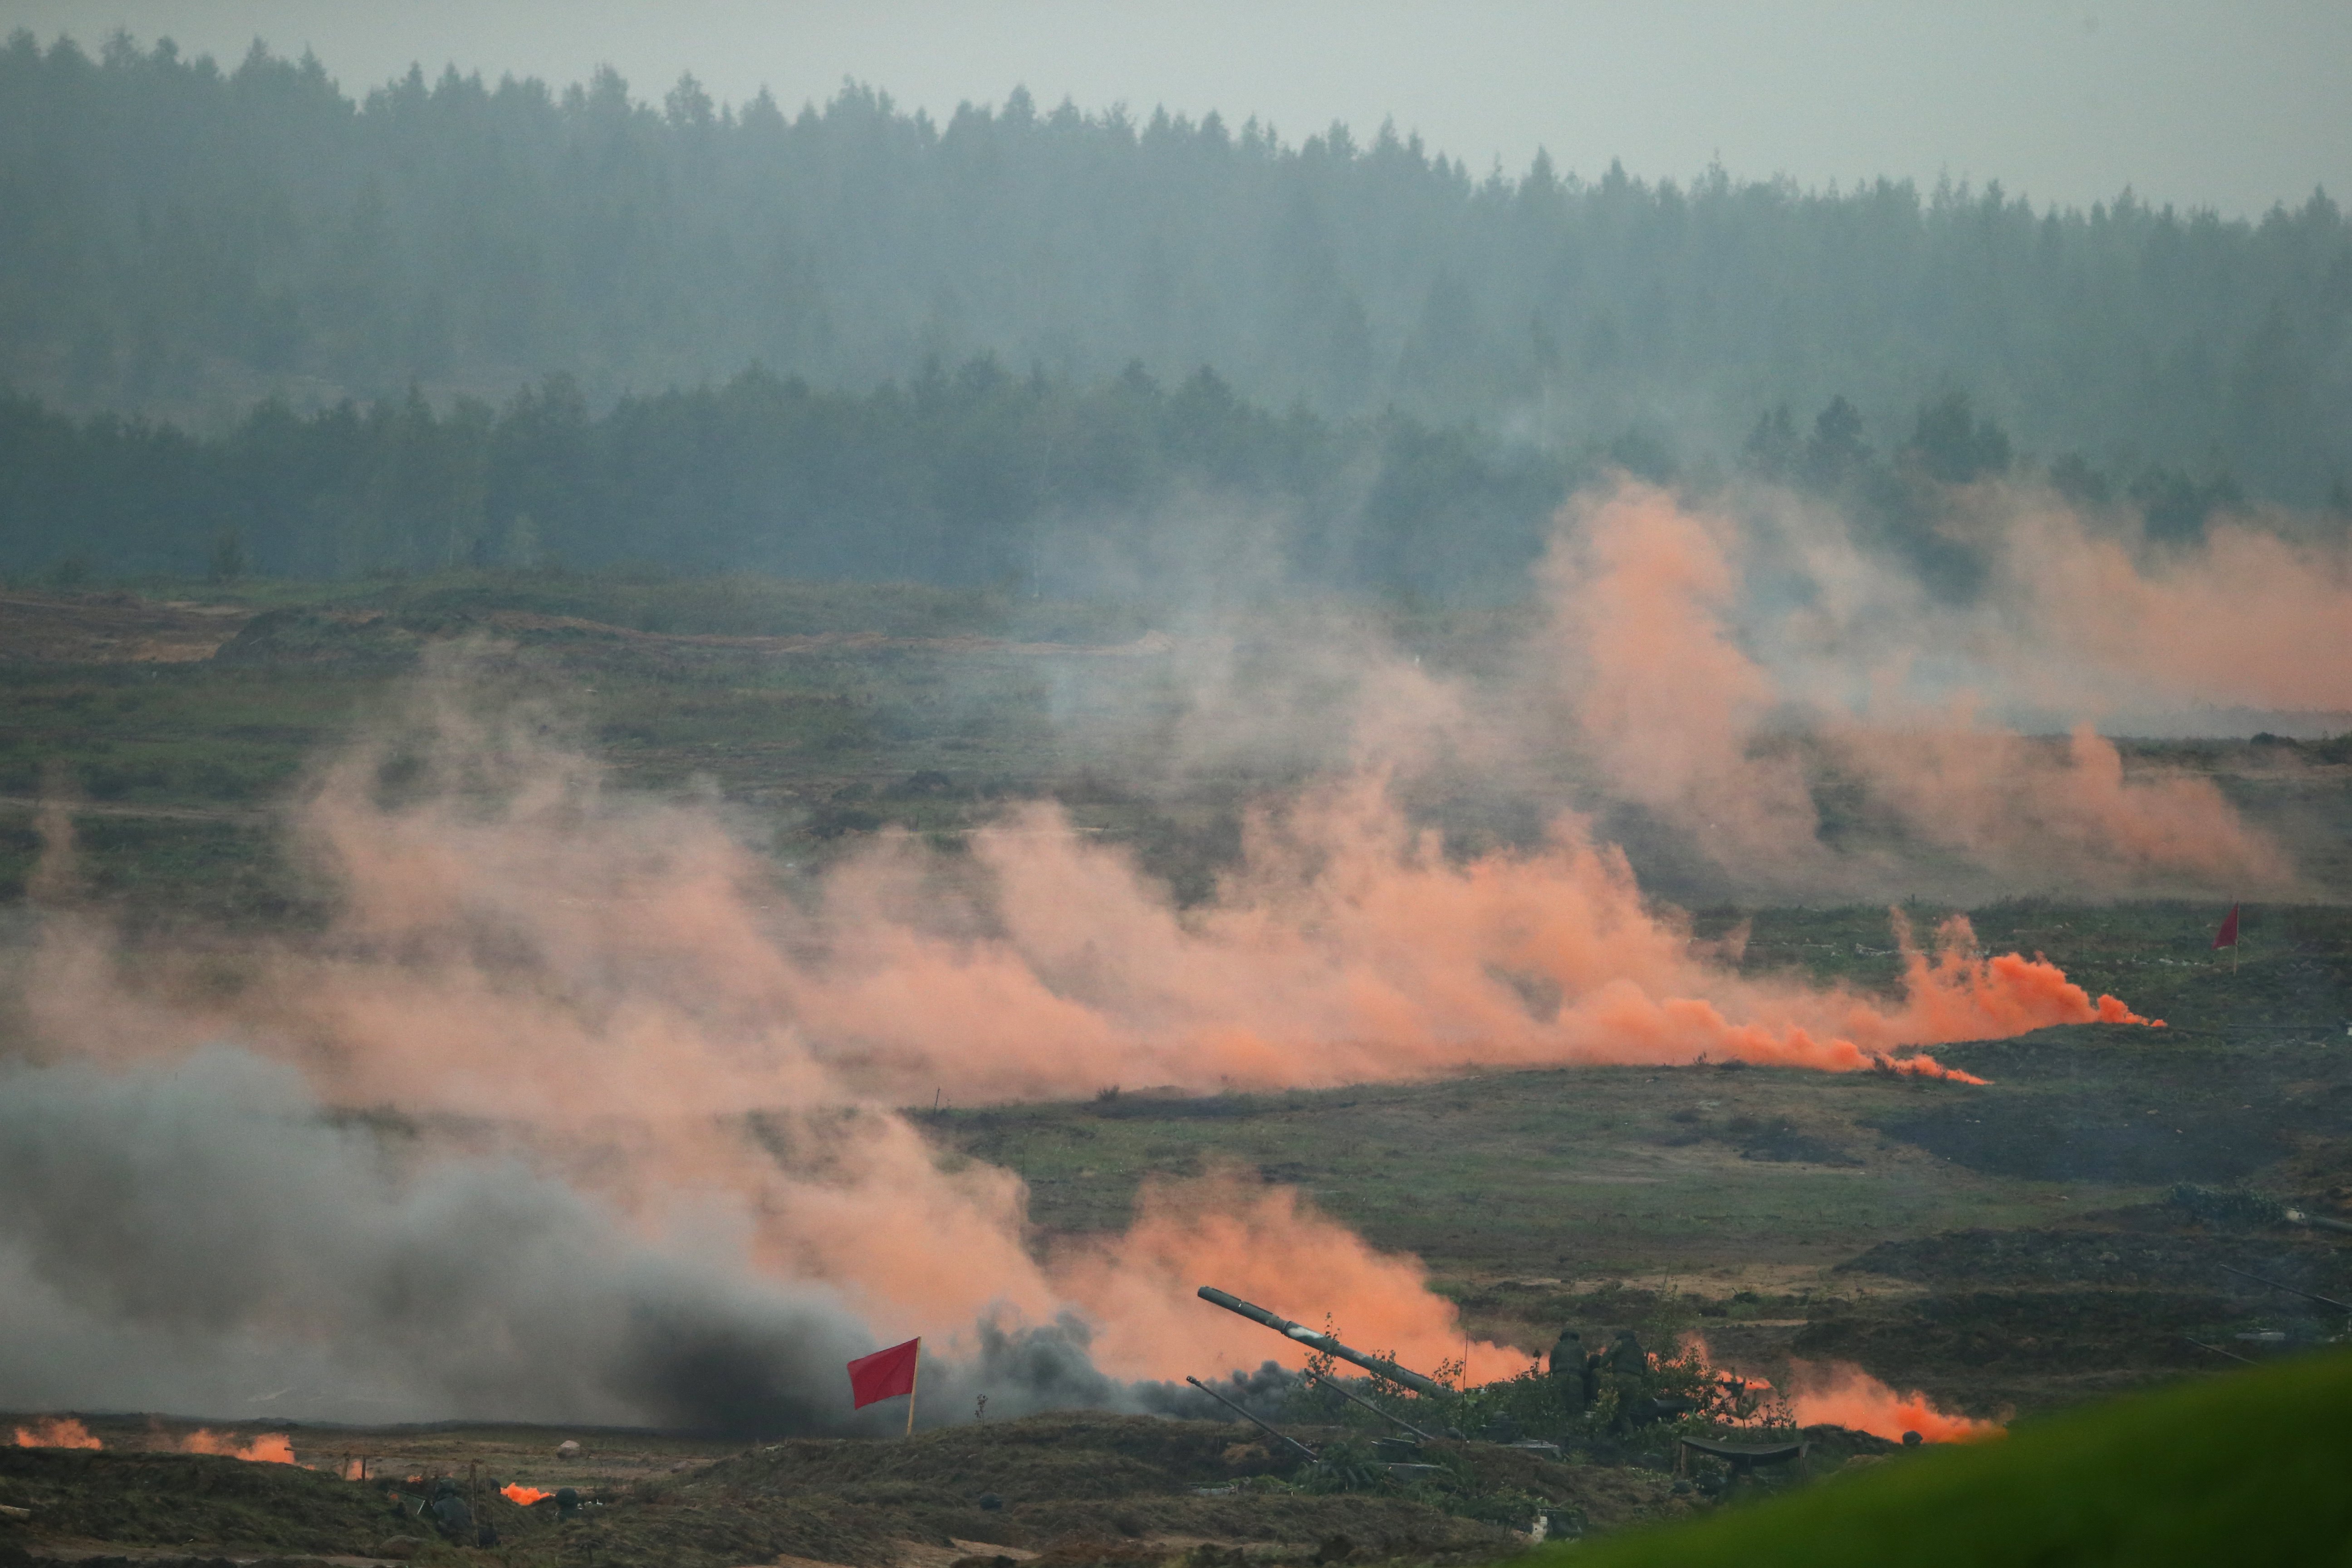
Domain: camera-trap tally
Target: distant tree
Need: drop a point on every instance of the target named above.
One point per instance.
(174, 233)
(1950, 445)
(1835, 450)
(1772, 450)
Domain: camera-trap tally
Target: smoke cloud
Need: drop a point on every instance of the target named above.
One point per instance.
(1858, 679)
(575, 1110)
(1841, 1394)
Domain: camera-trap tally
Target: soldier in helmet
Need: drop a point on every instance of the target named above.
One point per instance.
(1572, 1371)
(450, 1514)
(1624, 1366)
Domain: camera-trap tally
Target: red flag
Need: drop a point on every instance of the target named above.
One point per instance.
(885, 1374)
(2228, 935)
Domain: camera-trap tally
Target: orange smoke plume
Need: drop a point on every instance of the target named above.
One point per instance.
(515, 1491)
(1678, 715)
(629, 962)
(1657, 687)
(56, 1432)
(2022, 808)
(1840, 1394)
(1962, 995)
(2248, 616)
(269, 1448)
(1266, 1245)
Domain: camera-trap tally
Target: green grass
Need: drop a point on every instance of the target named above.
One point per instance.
(2246, 1469)
(1571, 1173)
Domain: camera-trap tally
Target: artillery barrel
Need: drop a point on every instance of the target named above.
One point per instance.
(1281, 1325)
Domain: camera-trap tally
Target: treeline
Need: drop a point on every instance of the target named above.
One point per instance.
(1897, 500)
(178, 238)
(974, 477)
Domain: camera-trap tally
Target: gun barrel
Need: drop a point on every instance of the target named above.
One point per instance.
(1281, 1325)
(1246, 1415)
(2322, 1301)
(1383, 1414)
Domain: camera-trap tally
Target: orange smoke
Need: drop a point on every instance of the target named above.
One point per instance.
(515, 1491)
(56, 1432)
(1960, 995)
(1266, 1245)
(570, 964)
(620, 982)
(2246, 617)
(1640, 591)
(1679, 716)
(1841, 1394)
(269, 1448)
(2025, 808)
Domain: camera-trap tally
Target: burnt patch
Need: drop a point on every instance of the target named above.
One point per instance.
(1774, 1138)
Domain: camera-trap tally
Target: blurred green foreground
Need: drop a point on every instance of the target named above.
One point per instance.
(2243, 1469)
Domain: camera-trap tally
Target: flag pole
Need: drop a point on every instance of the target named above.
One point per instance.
(914, 1379)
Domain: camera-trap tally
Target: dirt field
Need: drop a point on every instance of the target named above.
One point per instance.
(1069, 1490)
(113, 628)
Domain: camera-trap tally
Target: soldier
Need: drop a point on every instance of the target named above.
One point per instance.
(1572, 1371)
(1625, 1367)
(450, 1514)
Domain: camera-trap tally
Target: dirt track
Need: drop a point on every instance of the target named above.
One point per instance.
(113, 628)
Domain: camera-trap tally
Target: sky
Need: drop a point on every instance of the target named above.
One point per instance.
(2193, 102)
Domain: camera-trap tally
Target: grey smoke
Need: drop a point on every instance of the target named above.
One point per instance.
(201, 1236)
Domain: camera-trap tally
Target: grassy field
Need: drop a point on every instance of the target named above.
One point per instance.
(1577, 1174)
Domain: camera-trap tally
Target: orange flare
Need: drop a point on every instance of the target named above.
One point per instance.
(2112, 1010)
(515, 1491)
(270, 1448)
(1841, 1394)
(56, 1432)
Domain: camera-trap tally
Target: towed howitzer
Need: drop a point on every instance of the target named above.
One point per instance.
(1379, 1365)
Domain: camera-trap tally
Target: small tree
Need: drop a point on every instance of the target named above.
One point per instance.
(227, 562)
(1835, 449)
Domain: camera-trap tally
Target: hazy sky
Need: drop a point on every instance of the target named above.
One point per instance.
(2196, 102)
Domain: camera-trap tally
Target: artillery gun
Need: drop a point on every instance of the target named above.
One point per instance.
(1379, 1366)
